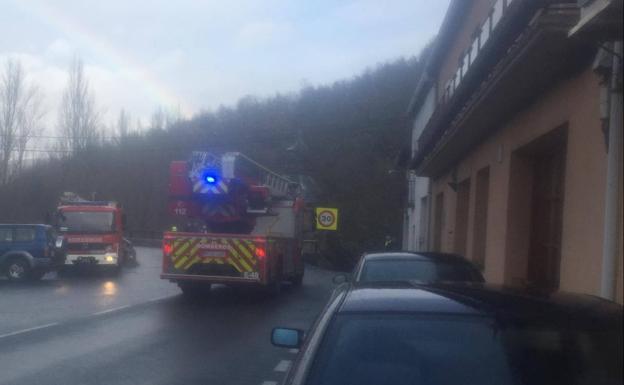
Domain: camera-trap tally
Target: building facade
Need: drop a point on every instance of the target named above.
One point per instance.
(417, 213)
(522, 143)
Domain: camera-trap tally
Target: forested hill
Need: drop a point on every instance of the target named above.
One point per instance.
(346, 136)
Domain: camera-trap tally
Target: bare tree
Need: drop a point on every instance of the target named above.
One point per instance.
(11, 85)
(79, 120)
(123, 124)
(30, 123)
(158, 121)
(20, 116)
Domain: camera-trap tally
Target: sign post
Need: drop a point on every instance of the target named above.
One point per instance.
(326, 218)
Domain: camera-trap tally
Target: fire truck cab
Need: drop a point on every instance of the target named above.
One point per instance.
(92, 233)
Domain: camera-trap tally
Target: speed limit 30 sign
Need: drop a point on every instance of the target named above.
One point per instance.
(326, 218)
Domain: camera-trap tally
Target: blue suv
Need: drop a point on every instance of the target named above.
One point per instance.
(27, 252)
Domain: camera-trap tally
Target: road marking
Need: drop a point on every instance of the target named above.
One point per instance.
(111, 310)
(28, 330)
(159, 298)
(283, 366)
(293, 351)
(269, 383)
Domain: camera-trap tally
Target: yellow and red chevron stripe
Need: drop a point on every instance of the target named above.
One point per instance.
(239, 253)
(199, 186)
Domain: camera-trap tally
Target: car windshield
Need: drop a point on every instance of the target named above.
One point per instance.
(86, 222)
(414, 269)
(435, 350)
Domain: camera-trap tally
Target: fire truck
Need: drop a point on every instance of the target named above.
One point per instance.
(92, 233)
(235, 222)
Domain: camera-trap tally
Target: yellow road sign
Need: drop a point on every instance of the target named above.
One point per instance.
(326, 218)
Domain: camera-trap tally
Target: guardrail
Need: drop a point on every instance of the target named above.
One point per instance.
(145, 237)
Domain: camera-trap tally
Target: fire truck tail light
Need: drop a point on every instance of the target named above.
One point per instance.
(260, 252)
(167, 247)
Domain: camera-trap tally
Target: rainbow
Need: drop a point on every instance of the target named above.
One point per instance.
(80, 33)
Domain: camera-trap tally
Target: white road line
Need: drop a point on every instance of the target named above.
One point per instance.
(283, 366)
(28, 330)
(111, 310)
(293, 351)
(159, 298)
(269, 383)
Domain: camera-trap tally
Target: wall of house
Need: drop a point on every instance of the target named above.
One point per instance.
(575, 104)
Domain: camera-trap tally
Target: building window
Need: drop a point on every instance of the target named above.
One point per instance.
(424, 214)
(411, 190)
(438, 222)
(497, 12)
(461, 217)
(482, 190)
(485, 31)
(463, 67)
(475, 46)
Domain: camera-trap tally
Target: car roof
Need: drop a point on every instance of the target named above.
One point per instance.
(423, 256)
(89, 208)
(476, 299)
(24, 225)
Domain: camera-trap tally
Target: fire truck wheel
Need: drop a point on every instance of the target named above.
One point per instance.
(275, 288)
(297, 280)
(194, 290)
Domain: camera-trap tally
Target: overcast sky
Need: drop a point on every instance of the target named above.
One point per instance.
(199, 55)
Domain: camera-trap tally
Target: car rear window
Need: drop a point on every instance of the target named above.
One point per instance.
(6, 234)
(434, 350)
(417, 270)
(25, 234)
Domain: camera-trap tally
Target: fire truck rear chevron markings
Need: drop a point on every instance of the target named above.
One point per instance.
(191, 263)
(240, 260)
(180, 262)
(177, 253)
(235, 264)
(244, 250)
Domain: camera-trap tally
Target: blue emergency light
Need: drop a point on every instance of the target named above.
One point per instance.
(211, 179)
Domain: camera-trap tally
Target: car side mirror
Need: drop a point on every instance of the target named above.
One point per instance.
(340, 279)
(287, 338)
(59, 242)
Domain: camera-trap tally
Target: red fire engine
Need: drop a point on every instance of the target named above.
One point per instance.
(236, 223)
(92, 232)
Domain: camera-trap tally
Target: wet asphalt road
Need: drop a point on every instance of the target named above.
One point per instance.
(138, 329)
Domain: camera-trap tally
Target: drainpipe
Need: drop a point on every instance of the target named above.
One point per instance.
(614, 172)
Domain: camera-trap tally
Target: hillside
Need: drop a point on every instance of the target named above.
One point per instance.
(347, 136)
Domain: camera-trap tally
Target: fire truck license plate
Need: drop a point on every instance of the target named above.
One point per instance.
(85, 260)
(213, 253)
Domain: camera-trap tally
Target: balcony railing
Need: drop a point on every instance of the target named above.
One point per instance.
(480, 40)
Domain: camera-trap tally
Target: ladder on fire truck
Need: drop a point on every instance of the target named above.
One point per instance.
(236, 165)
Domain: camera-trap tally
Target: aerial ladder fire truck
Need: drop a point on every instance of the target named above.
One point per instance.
(235, 222)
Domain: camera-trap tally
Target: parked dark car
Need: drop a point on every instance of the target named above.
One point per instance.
(424, 267)
(404, 334)
(27, 252)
